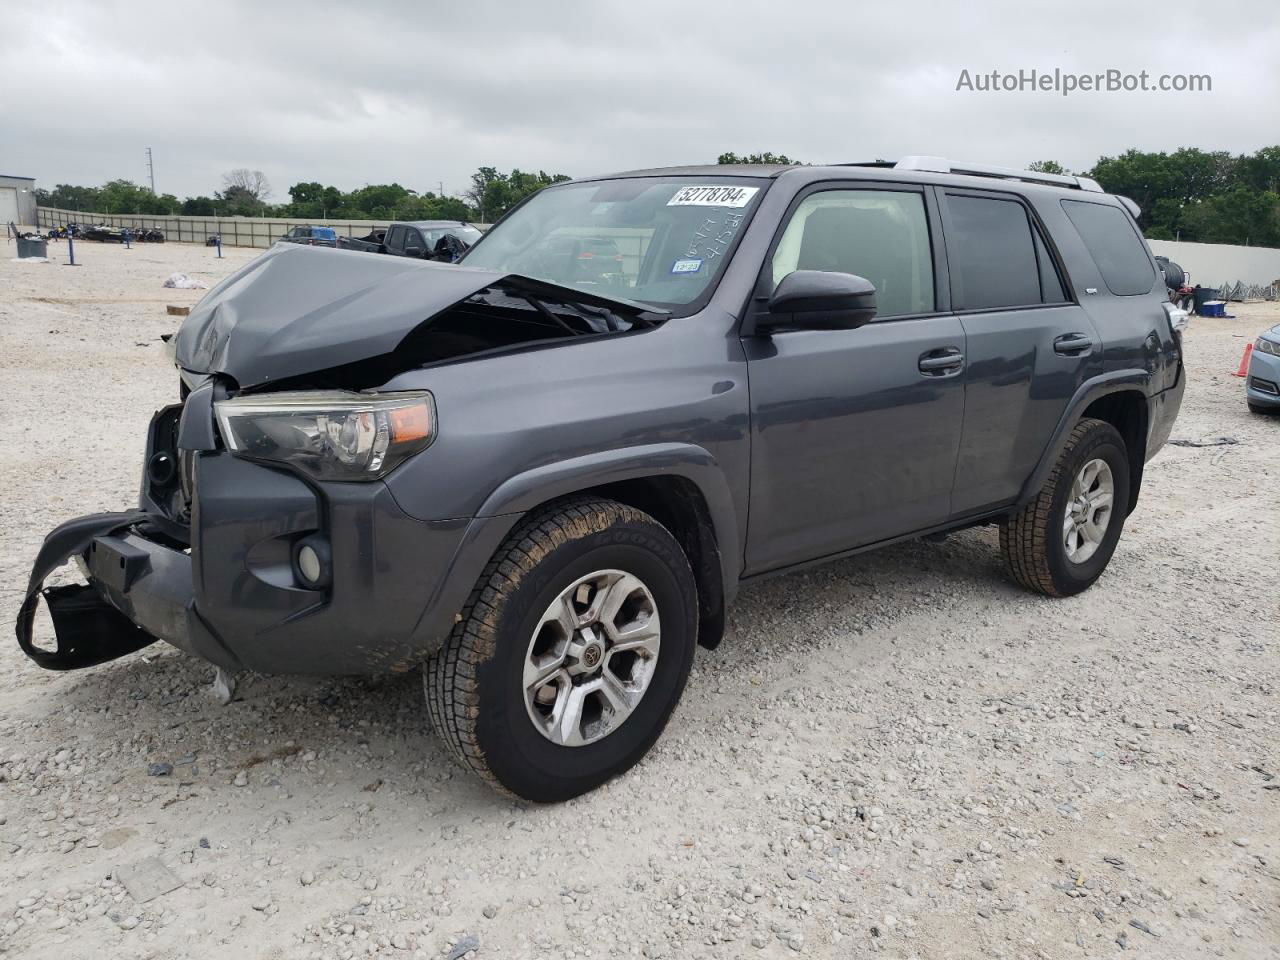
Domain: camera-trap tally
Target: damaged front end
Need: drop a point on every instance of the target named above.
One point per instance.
(297, 313)
(210, 560)
(138, 567)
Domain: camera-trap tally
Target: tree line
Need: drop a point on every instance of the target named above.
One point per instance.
(247, 193)
(1189, 194)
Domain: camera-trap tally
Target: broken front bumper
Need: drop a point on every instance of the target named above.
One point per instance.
(138, 591)
(234, 597)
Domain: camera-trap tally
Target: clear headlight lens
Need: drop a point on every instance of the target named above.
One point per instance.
(330, 435)
(1267, 346)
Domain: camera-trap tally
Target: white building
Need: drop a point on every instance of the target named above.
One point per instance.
(18, 200)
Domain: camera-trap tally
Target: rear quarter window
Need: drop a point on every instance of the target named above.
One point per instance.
(1113, 241)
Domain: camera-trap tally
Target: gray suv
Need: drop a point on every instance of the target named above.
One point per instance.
(546, 489)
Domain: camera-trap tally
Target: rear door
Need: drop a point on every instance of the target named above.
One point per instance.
(855, 432)
(1029, 345)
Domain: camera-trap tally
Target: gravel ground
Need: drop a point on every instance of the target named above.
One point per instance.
(900, 754)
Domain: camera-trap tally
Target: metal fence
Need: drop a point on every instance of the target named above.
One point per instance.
(235, 231)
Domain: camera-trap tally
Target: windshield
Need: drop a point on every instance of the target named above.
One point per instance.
(660, 240)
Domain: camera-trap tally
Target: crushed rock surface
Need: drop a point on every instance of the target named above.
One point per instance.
(898, 755)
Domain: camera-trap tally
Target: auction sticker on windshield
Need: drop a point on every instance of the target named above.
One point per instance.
(710, 196)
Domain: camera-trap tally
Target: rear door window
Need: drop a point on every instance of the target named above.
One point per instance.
(1115, 245)
(992, 254)
(395, 239)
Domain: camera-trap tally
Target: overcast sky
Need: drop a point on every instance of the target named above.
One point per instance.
(353, 93)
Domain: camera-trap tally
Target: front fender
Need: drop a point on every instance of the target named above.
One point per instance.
(516, 496)
(527, 490)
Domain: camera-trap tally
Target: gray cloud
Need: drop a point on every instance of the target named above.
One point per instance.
(350, 93)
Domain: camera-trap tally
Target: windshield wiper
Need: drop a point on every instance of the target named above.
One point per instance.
(551, 315)
(632, 310)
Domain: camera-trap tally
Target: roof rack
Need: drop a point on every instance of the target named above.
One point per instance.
(943, 165)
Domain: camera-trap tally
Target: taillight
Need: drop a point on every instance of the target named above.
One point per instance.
(586, 256)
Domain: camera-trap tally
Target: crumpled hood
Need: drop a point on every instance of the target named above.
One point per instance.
(296, 310)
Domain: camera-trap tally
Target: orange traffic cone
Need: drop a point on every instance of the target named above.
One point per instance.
(1244, 362)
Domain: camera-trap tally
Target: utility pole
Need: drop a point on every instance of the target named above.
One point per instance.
(151, 172)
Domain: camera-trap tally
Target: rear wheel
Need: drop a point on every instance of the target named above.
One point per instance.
(571, 653)
(1060, 542)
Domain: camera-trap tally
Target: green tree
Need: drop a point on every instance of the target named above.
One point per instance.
(67, 197)
(1047, 166)
(779, 158)
(199, 207)
(125, 196)
(238, 201)
(492, 193)
(1240, 216)
(1260, 171)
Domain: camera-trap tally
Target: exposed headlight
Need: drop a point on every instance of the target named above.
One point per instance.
(1267, 346)
(330, 435)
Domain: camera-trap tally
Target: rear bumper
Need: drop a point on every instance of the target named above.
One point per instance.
(1162, 413)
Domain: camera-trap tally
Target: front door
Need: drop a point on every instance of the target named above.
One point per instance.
(855, 432)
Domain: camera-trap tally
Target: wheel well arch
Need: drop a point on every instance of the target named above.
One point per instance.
(1126, 410)
(678, 504)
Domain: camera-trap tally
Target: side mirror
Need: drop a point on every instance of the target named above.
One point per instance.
(413, 251)
(819, 300)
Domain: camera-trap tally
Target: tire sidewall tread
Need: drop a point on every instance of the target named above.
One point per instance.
(473, 703)
(1031, 539)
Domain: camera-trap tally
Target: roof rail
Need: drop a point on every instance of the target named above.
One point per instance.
(943, 165)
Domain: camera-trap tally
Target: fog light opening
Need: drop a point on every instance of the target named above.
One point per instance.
(311, 562)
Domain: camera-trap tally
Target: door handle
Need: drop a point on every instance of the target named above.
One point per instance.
(937, 363)
(1072, 344)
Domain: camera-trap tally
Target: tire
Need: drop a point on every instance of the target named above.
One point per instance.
(476, 684)
(1033, 540)
(1260, 409)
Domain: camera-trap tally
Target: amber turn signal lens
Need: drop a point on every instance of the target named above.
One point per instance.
(410, 423)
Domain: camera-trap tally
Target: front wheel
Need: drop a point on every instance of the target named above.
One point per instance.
(571, 653)
(1060, 542)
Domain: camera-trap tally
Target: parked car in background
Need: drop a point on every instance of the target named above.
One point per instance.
(310, 236)
(548, 492)
(370, 243)
(1262, 384)
(444, 240)
(441, 240)
(103, 233)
